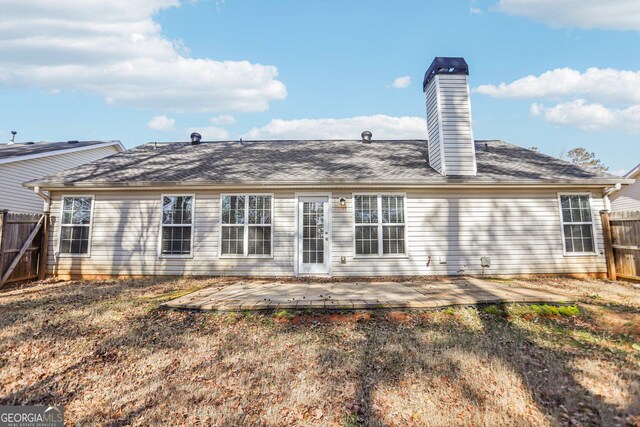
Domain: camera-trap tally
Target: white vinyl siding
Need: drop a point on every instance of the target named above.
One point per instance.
(16, 198)
(451, 146)
(433, 128)
(519, 229)
(628, 198)
(125, 238)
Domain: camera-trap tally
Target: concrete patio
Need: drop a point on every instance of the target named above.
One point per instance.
(429, 294)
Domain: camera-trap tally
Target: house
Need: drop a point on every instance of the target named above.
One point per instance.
(628, 197)
(27, 161)
(365, 207)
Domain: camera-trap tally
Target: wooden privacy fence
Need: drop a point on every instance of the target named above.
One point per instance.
(622, 244)
(21, 242)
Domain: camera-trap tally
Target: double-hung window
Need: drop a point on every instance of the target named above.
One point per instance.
(177, 225)
(577, 224)
(75, 225)
(246, 226)
(379, 224)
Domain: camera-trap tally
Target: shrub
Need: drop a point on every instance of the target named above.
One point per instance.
(547, 310)
(569, 310)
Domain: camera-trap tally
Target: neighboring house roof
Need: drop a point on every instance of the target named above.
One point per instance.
(314, 162)
(31, 150)
(634, 173)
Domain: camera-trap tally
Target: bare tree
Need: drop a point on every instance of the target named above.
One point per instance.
(581, 156)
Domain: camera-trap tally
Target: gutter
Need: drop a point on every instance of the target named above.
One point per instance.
(449, 184)
(45, 197)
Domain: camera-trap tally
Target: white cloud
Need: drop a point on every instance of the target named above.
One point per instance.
(597, 99)
(401, 82)
(604, 14)
(222, 119)
(536, 109)
(584, 115)
(162, 123)
(475, 11)
(210, 133)
(115, 49)
(382, 127)
(597, 84)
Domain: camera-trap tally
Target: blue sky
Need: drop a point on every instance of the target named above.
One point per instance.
(552, 74)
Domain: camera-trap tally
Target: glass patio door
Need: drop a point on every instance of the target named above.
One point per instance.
(314, 238)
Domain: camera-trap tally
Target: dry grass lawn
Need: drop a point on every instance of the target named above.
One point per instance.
(108, 353)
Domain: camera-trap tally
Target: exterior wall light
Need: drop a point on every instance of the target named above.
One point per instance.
(343, 202)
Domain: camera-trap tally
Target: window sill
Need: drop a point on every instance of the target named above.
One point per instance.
(245, 256)
(73, 255)
(399, 256)
(580, 254)
(175, 256)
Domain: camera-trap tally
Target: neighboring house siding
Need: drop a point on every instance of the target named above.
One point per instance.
(519, 229)
(628, 198)
(16, 198)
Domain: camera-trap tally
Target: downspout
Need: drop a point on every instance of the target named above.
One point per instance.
(45, 197)
(608, 192)
(44, 243)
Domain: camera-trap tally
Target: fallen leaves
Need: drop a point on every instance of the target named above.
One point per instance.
(111, 356)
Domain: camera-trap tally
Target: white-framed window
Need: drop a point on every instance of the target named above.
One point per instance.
(577, 224)
(176, 228)
(75, 225)
(379, 224)
(246, 225)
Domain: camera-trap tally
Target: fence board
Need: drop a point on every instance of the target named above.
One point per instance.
(624, 229)
(14, 231)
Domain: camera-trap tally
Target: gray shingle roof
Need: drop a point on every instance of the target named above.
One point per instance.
(17, 150)
(300, 162)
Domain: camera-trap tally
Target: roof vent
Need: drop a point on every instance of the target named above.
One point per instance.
(73, 142)
(195, 138)
(13, 137)
(366, 137)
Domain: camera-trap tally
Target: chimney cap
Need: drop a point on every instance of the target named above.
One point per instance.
(195, 138)
(366, 137)
(445, 65)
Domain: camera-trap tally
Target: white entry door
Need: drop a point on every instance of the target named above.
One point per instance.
(314, 237)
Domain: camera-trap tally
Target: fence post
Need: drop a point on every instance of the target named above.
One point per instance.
(608, 245)
(3, 233)
(44, 248)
